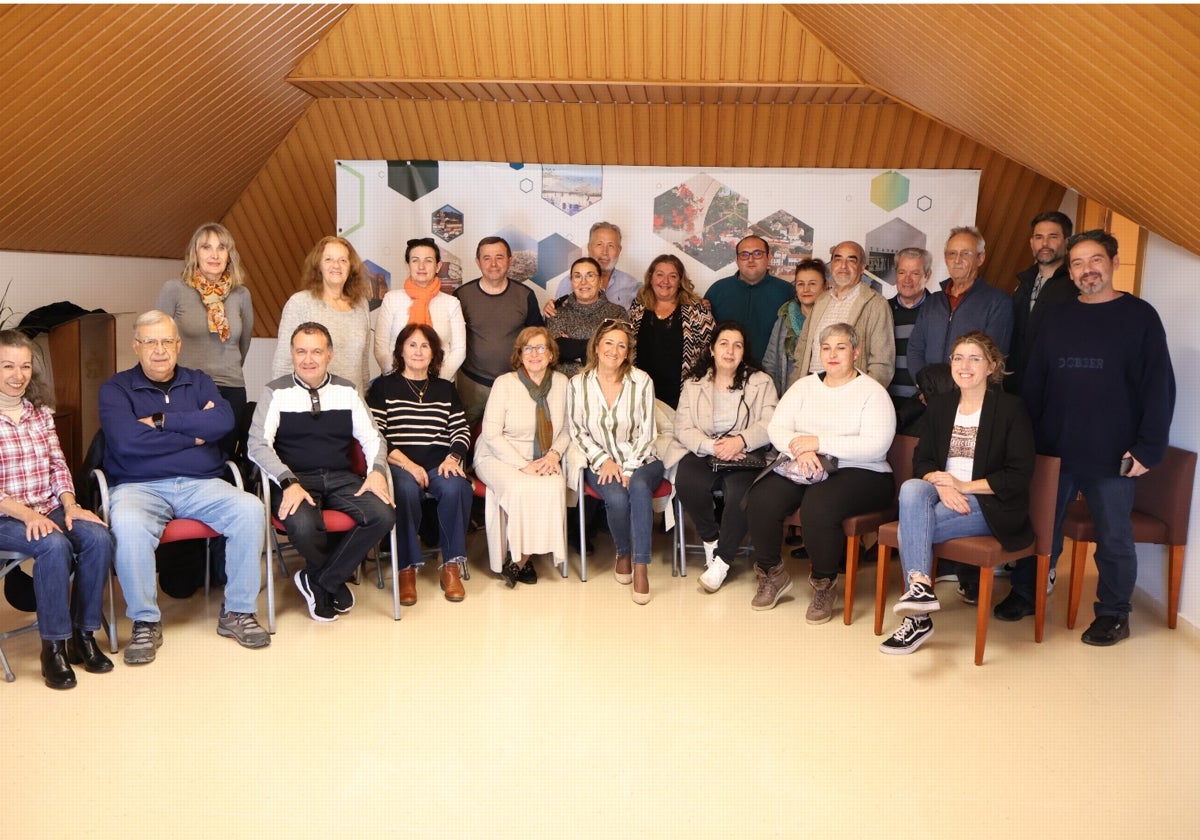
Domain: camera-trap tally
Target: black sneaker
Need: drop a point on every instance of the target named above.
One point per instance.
(1107, 630)
(913, 633)
(968, 595)
(510, 573)
(342, 600)
(919, 598)
(319, 606)
(1013, 608)
(527, 574)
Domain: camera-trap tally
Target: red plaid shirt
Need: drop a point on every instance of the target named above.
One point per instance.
(33, 470)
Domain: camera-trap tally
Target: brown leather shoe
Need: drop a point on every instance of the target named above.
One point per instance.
(452, 582)
(408, 586)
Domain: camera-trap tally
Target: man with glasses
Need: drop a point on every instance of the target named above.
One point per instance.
(1041, 287)
(965, 303)
(496, 309)
(162, 424)
(849, 301)
(604, 246)
(751, 297)
(304, 427)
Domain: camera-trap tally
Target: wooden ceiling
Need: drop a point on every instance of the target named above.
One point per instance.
(137, 123)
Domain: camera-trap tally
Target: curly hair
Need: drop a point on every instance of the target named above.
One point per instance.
(38, 390)
(687, 290)
(991, 352)
(356, 286)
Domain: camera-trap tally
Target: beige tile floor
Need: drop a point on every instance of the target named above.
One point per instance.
(564, 710)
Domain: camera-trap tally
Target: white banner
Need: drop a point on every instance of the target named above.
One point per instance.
(545, 212)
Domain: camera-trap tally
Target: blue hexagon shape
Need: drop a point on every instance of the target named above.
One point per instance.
(555, 255)
(703, 218)
(447, 223)
(884, 242)
(889, 190)
(412, 178)
(517, 166)
(524, 253)
(572, 189)
(379, 280)
(791, 241)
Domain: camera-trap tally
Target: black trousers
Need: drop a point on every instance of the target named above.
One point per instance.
(823, 506)
(695, 482)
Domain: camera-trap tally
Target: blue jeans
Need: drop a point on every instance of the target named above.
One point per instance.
(630, 511)
(453, 494)
(53, 554)
(140, 512)
(924, 520)
(331, 558)
(1110, 501)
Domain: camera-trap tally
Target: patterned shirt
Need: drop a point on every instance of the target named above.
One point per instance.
(33, 469)
(622, 432)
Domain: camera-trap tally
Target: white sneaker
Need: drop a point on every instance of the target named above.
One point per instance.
(714, 575)
(1050, 582)
(710, 551)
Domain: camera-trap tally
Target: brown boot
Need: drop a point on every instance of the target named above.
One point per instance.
(772, 584)
(408, 586)
(452, 581)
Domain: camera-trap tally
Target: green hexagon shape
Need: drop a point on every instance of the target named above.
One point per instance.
(889, 190)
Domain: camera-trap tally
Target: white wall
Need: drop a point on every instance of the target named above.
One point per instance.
(1170, 282)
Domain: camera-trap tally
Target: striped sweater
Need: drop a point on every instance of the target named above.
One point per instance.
(426, 429)
(289, 435)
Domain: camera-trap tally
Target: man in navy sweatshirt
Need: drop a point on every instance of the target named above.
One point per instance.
(162, 427)
(304, 426)
(1101, 391)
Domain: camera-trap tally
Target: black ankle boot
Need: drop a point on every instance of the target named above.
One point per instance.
(83, 650)
(55, 667)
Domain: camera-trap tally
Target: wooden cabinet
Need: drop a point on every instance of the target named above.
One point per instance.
(82, 358)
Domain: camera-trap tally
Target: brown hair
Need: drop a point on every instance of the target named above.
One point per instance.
(438, 355)
(991, 352)
(606, 326)
(687, 291)
(38, 390)
(356, 286)
(525, 336)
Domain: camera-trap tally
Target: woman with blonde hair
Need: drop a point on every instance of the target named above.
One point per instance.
(333, 293)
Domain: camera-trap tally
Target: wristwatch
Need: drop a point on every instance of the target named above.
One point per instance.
(158, 418)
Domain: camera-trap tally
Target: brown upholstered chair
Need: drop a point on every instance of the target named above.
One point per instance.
(987, 553)
(1162, 504)
(900, 458)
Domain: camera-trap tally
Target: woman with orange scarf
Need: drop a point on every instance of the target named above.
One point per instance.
(334, 295)
(211, 307)
(422, 301)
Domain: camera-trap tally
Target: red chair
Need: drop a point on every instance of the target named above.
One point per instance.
(1162, 506)
(663, 491)
(176, 530)
(987, 553)
(900, 458)
(336, 522)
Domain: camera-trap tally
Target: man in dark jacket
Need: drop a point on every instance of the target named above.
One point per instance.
(1041, 287)
(162, 425)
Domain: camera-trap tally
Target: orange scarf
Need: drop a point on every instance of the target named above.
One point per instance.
(418, 313)
(213, 293)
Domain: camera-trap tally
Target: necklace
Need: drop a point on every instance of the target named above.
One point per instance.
(420, 393)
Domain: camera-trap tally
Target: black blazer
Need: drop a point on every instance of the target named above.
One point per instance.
(1027, 324)
(1004, 455)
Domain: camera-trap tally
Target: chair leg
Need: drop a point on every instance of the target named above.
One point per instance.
(1078, 565)
(207, 567)
(881, 571)
(986, 579)
(394, 545)
(1039, 600)
(1174, 581)
(852, 548)
(111, 629)
(582, 532)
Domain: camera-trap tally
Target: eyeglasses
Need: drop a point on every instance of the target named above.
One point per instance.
(966, 255)
(533, 348)
(427, 241)
(756, 254)
(158, 343)
(609, 323)
(958, 359)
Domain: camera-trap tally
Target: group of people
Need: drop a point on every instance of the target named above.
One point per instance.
(620, 382)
